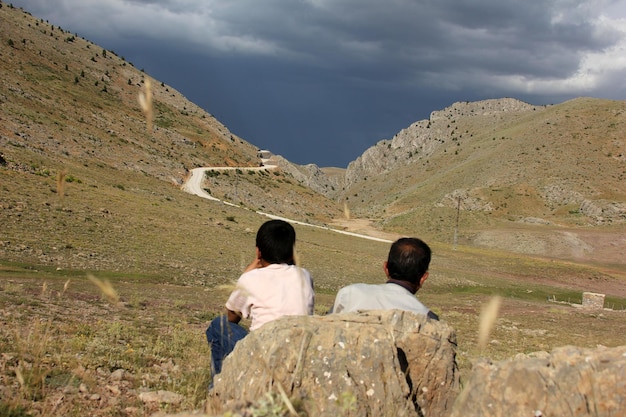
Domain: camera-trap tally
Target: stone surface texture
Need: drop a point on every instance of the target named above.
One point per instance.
(372, 363)
(569, 381)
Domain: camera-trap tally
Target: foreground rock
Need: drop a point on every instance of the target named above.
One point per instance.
(570, 381)
(359, 364)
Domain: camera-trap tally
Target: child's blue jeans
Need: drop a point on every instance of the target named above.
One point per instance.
(222, 336)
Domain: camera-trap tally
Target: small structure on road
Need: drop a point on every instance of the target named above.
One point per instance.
(593, 301)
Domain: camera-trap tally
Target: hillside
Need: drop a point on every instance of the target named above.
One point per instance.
(506, 158)
(472, 173)
(83, 176)
(70, 100)
(555, 175)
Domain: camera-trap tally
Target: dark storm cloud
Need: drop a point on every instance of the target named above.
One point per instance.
(321, 80)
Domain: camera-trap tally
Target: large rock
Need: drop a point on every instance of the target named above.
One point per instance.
(570, 381)
(376, 363)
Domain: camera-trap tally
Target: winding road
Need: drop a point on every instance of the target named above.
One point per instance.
(193, 185)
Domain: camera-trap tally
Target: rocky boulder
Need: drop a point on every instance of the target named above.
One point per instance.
(569, 381)
(371, 363)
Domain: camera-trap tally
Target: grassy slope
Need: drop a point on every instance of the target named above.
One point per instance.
(523, 165)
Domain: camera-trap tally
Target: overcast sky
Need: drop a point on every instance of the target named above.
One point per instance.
(320, 81)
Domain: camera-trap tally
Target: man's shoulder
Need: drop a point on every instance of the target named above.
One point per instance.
(359, 286)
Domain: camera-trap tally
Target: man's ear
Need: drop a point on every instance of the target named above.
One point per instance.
(423, 278)
(386, 269)
(258, 253)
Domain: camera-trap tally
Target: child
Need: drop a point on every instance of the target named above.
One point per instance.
(272, 286)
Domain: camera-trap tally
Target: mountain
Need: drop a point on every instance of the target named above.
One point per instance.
(480, 167)
(501, 159)
(90, 178)
(71, 102)
(111, 272)
(77, 144)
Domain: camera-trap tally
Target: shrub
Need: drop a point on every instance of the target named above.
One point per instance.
(71, 178)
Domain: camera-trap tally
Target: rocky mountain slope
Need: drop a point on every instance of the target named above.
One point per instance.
(71, 119)
(91, 180)
(498, 161)
(66, 102)
(423, 138)
(68, 99)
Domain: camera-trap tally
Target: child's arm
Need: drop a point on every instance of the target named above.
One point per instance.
(233, 316)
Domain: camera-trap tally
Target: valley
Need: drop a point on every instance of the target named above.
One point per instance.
(523, 202)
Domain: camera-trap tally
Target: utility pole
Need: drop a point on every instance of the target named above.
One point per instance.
(456, 227)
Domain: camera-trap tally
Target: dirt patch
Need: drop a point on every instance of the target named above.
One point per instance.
(364, 227)
(598, 247)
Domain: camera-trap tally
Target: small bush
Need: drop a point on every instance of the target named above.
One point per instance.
(71, 178)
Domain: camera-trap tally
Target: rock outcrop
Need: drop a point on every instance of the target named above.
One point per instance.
(311, 176)
(399, 364)
(424, 137)
(372, 363)
(569, 381)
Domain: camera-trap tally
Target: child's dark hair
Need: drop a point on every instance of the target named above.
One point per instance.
(408, 259)
(275, 240)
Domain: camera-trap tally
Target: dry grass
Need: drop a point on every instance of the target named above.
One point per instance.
(60, 346)
(61, 332)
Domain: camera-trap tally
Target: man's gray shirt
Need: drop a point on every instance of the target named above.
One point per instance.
(387, 296)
